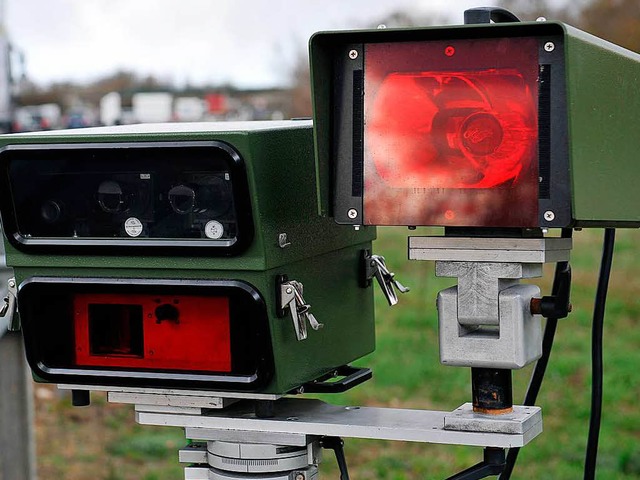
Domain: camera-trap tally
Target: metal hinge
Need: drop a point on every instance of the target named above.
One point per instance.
(375, 266)
(291, 298)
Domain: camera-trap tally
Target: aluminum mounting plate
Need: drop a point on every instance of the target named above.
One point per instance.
(314, 417)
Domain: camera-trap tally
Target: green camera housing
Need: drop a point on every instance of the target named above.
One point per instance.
(197, 226)
(581, 136)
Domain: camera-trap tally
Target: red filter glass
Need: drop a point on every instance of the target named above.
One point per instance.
(451, 133)
(159, 332)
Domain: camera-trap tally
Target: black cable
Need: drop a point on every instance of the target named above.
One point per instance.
(596, 354)
(535, 383)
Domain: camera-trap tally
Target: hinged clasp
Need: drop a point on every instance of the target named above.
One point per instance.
(375, 266)
(291, 298)
(9, 303)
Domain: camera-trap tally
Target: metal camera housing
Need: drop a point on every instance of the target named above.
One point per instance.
(580, 166)
(154, 256)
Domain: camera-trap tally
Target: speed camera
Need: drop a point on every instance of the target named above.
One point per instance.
(181, 257)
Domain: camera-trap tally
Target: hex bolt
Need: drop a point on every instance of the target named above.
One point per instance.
(549, 46)
(549, 216)
(535, 306)
(353, 54)
(352, 213)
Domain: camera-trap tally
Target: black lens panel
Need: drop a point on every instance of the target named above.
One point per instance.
(111, 196)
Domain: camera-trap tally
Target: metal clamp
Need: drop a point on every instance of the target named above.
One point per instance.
(291, 298)
(375, 266)
(9, 304)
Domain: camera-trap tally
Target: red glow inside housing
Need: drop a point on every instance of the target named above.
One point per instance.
(160, 332)
(451, 139)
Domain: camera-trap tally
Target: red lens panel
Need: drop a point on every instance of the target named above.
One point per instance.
(160, 332)
(451, 133)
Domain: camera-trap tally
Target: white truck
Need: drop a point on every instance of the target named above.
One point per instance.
(152, 107)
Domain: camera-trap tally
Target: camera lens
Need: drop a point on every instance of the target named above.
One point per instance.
(110, 197)
(182, 199)
(51, 211)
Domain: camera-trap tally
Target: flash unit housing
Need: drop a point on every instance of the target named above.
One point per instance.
(521, 125)
(160, 303)
(166, 333)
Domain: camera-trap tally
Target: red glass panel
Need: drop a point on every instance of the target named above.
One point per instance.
(160, 332)
(451, 133)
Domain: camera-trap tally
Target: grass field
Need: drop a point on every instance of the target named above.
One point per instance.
(103, 442)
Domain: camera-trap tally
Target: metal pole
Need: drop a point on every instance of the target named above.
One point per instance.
(17, 445)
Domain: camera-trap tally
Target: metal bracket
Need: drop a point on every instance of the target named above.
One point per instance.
(375, 266)
(299, 418)
(290, 293)
(351, 377)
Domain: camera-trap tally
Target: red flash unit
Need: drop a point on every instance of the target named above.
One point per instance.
(193, 334)
(162, 332)
(446, 142)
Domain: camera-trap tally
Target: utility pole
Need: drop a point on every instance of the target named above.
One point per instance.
(17, 445)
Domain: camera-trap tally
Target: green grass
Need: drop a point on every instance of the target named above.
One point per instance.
(407, 374)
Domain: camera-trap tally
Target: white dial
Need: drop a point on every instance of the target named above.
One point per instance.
(213, 230)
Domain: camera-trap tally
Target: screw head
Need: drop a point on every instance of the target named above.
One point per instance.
(549, 46)
(299, 476)
(352, 213)
(541, 19)
(353, 54)
(12, 283)
(549, 216)
(289, 290)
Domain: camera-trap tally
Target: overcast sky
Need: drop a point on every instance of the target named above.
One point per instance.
(245, 42)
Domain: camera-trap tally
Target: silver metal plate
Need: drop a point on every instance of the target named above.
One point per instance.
(471, 249)
(167, 409)
(278, 438)
(193, 453)
(313, 417)
(519, 421)
(176, 393)
(178, 401)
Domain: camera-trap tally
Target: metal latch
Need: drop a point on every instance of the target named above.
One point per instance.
(291, 298)
(9, 302)
(375, 266)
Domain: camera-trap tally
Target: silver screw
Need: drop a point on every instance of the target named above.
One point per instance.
(289, 290)
(292, 419)
(12, 283)
(382, 26)
(549, 46)
(352, 213)
(353, 54)
(549, 215)
(541, 19)
(299, 476)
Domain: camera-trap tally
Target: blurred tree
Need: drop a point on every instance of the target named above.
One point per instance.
(301, 88)
(617, 21)
(301, 78)
(65, 93)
